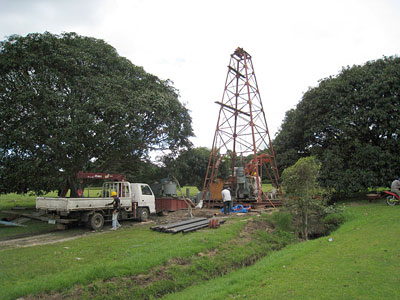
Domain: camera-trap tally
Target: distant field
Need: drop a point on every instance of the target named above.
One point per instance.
(8, 201)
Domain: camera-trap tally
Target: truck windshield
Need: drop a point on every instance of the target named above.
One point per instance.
(146, 190)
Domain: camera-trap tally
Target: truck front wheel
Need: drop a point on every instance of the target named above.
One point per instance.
(143, 214)
(96, 221)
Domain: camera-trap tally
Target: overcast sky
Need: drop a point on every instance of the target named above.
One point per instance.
(293, 44)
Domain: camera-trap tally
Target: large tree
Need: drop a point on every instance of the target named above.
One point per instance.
(67, 101)
(351, 122)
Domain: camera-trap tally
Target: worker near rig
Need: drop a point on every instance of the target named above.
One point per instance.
(227, 198)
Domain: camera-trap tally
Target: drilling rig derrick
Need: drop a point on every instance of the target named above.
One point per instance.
(242, 137)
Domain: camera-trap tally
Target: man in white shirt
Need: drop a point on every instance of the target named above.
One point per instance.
(395, 188)
(226, 197)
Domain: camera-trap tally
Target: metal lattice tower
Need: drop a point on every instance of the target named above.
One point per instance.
(241, 127)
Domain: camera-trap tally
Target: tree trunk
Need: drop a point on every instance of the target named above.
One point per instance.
(306, 225)
(72, 183)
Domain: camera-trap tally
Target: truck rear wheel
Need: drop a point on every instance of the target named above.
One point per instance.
(96, 221)
(143, 214)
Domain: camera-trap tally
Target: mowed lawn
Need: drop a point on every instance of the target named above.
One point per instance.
(361, 260)
(129, 251)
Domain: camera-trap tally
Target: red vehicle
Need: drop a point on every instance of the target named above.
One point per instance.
(391, 198)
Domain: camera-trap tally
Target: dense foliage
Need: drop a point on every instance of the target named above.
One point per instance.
(67, 101)
(351, 123)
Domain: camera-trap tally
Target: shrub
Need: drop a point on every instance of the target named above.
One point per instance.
(305, 198)
(282, 220)
(333, 218)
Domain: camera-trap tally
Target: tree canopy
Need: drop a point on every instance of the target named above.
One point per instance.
(67, 101)
(351, 123)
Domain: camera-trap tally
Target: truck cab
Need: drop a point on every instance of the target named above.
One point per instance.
(134, 197)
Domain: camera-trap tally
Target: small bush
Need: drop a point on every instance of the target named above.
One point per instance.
(332, 222)
(282, 220)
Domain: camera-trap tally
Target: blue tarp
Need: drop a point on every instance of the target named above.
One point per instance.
(11, 224)
(239, 209)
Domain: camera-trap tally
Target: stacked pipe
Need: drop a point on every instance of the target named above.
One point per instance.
(183, 226)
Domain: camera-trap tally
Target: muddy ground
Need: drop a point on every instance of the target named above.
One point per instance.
(74, 233)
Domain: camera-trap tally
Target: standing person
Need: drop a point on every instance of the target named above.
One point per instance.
(230, 202)
(226, 197)
(115, 223)
(395, 188)
(116, 207)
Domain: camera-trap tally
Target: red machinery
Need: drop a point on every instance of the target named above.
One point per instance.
(259, 161)
(104, 176)
(82, 175)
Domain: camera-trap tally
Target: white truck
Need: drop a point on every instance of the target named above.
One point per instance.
(137, 202)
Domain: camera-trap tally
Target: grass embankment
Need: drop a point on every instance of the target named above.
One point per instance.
(126, 256)
(361, 262)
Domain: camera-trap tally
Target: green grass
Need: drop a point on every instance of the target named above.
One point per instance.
(90, 261)
(130, 251)
(361, 262)
(8, 201)
(226, 257)
(267, 187)
(192, 191)
(31, 227)
(12, 200)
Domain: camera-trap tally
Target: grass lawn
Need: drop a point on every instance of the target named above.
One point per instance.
(130, 251)
(31, 227)
(11, 200)
(358, 261)
(362, 261)
(105, 265)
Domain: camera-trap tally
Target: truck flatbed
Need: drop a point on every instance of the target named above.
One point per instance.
(77, 204)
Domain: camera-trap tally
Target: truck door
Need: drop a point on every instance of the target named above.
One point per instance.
(147, 198)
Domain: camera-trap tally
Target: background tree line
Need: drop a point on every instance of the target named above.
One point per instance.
(350, 123)
(71, 103)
